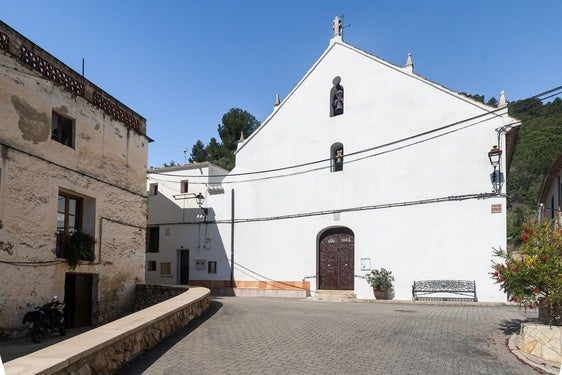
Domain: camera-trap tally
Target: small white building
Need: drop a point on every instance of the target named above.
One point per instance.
(179, 241)
(363, 165)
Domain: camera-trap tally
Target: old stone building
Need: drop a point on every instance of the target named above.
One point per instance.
(72, 190)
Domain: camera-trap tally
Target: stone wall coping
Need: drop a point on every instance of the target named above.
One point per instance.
(61, 355)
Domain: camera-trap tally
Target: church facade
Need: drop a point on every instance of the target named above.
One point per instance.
(363, 165)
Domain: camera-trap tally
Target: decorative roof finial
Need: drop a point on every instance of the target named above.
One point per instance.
(409, 63)
(337, 27)
(277, 100)
(502, 102)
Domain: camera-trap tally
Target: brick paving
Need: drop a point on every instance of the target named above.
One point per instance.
(281, 336)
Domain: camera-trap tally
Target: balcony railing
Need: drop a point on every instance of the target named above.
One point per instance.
(75, 247)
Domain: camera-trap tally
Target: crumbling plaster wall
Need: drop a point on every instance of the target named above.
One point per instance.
(108, 164)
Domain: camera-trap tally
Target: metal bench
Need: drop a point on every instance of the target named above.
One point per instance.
(464, 289)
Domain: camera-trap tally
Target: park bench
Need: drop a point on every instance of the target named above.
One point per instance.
(425, 290)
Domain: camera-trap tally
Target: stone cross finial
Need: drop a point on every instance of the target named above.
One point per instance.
(338, 28)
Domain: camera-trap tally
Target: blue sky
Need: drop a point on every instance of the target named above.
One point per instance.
(183, 64)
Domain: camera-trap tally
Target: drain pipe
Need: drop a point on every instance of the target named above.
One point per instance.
(232, 239)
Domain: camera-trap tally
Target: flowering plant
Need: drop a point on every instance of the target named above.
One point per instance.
(380, 279)
(533, 274)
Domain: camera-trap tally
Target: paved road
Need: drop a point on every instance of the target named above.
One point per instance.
(279, 336)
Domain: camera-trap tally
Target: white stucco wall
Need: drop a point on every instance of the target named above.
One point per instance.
(383, 104)
(181, 224)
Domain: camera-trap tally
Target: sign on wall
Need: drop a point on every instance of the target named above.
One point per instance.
(365, 264)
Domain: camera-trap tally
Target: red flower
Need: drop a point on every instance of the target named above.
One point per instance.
(524, 237)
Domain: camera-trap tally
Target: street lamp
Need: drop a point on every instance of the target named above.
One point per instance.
(496, 177)
(495, 155)
(199, 198)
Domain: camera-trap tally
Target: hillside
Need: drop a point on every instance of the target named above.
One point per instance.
(538, 145)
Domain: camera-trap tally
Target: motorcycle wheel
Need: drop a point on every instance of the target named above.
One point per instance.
(37, 335)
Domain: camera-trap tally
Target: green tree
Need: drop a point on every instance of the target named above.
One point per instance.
(539, 143)
(493, 102)
(532, 274)
(199, 153)
(235, 122)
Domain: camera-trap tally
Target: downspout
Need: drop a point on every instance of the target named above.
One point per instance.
(232, 240)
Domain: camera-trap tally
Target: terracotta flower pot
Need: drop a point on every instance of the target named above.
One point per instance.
(379, 293)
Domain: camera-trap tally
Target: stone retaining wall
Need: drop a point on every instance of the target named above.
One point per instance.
(105, 349)
(541, 341)
(148, 295)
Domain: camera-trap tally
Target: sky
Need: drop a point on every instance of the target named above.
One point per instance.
(183, 64)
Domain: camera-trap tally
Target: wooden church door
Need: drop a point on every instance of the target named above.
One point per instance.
(336, 259)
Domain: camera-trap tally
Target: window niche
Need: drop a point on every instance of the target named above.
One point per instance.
(184, 186)
(153, 239)
(336, 155)
(336, 98)
(165, 269)
(62, 129)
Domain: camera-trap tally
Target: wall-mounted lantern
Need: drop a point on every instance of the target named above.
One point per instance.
(496, 177)
(200, 199)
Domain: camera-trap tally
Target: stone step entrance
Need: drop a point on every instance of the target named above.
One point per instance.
(334, 295)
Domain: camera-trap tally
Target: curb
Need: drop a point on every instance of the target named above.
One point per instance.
(536, 362)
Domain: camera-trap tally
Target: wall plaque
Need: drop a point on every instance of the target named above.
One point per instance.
(496, 208)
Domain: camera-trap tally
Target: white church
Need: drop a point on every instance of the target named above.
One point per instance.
(363, 165)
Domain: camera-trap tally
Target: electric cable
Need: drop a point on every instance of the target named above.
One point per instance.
(451, 198)
(553, 92)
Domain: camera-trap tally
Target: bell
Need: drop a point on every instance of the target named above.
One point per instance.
(339, 107)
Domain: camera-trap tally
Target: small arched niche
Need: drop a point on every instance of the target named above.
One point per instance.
(336, 97)
(336, 155)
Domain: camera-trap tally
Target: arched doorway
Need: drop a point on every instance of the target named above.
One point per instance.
(336, 252)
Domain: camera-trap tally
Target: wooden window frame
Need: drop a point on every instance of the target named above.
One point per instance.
(67, 214)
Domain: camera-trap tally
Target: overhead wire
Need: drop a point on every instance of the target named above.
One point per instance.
(451, 198)
(553, 92)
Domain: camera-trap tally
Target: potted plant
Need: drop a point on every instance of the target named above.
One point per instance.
(381, 280)
(77, 246)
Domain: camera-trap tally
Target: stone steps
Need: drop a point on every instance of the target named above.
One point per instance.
(334, 295)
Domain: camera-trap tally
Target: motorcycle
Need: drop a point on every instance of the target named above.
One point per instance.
(45, 320)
